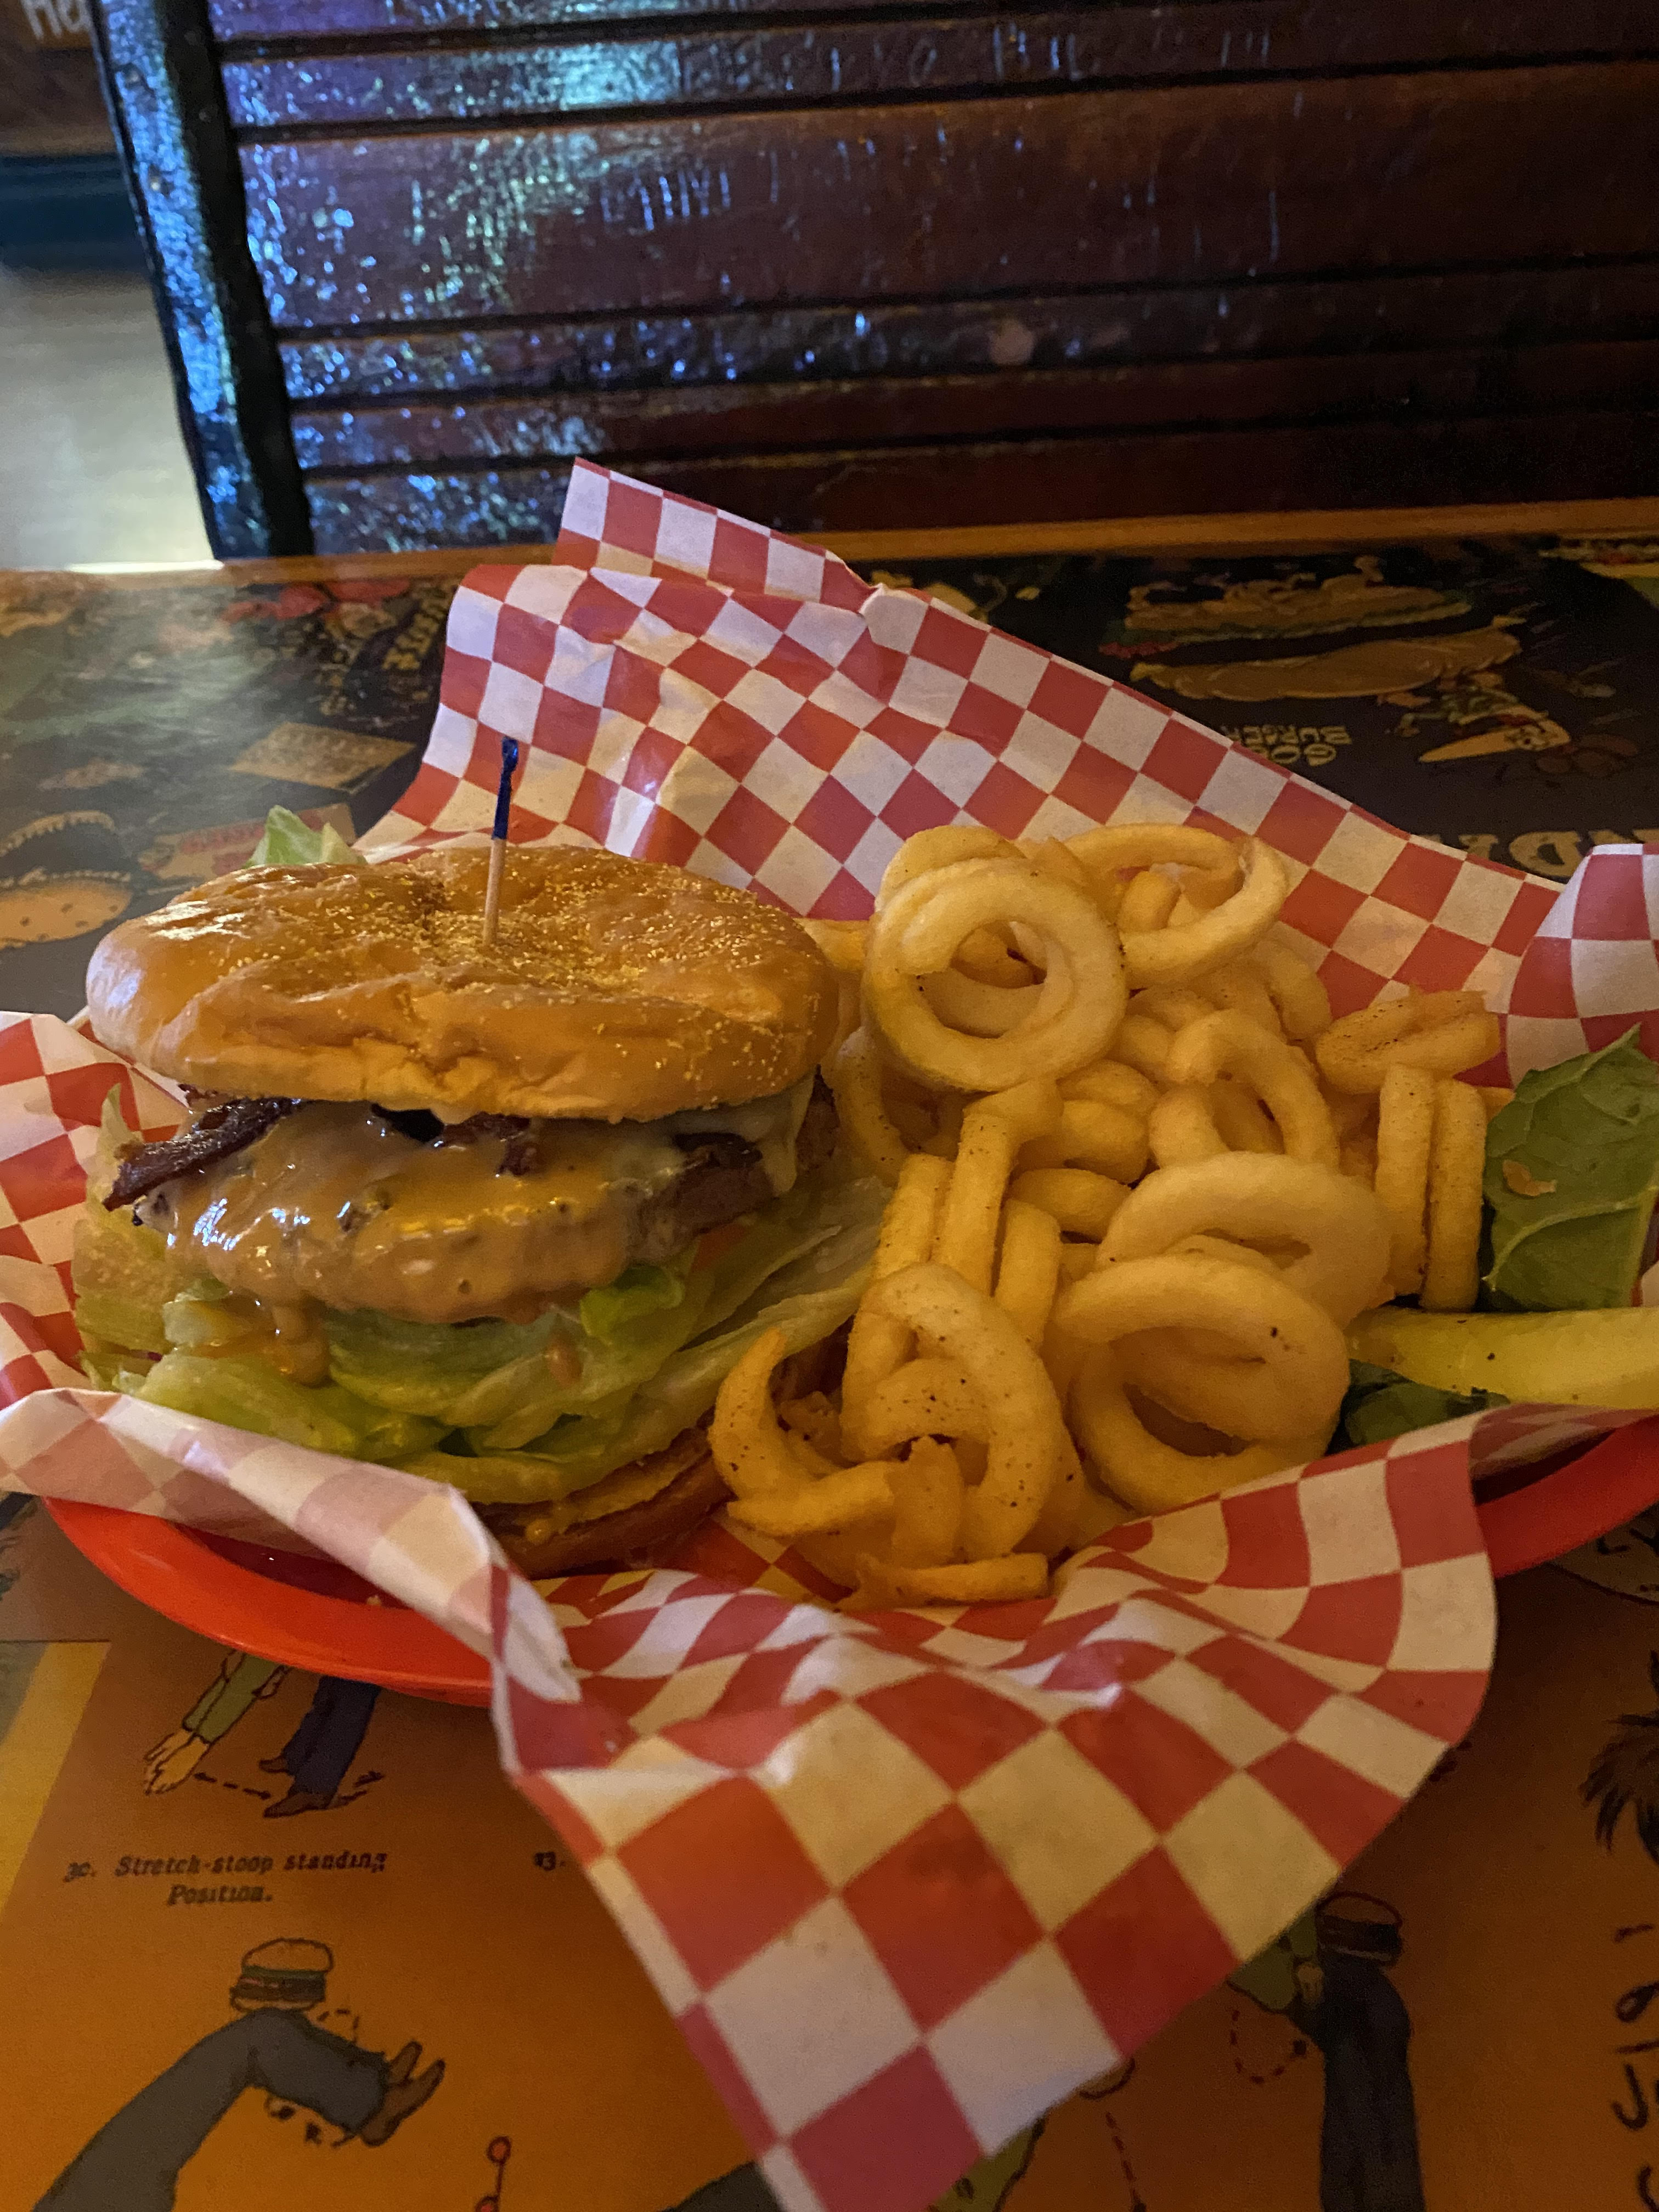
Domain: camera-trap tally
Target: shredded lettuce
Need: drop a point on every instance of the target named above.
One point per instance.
(123, 1275)
(495, 1381)
(530, 1410)
(249, 1394)
(288, 842)
(636, 1292)
(1381, 1404)
(808, 1300)
(1572, 1170)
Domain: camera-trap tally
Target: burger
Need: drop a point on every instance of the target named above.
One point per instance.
(501, 1212)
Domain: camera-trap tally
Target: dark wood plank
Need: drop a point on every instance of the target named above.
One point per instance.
(1077, 189)
(756, 418)
(1298, 531)
(927, 54)
(1195, 35)
(1584, 454)
(174, 141)
(1475, 307)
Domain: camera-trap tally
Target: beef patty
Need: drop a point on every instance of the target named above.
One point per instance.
(289, 1200)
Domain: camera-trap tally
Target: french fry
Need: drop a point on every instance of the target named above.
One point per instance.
(816, 1419)
(1003, 1080)
(924, 1398)
(1055, 1526)
(931, 849)
(1239, 1120)
(979, 1582)
(1240, 988)
(1113, 1083)
(1229, 1044)
(928, 1491)
(842, 943)
(748, 1446)
(1302, 1003)
(1091, 1135)
(1144, 1045)
(992, 1132)
(1148, 901)
(1405, 1136)
(1155, 1477)
(1182, 1128)
(1451, 1275)
(1081, 1201)
(988, 959)
(1028, 1271)
(1076, 1260)
(878, 1343)
(854, 1074)
(850, 1498)
(1023, 1458)
(1444, 1033)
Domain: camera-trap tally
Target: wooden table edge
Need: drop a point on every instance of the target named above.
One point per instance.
(1299, 531)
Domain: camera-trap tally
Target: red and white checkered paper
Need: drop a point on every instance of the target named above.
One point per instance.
(904, 1881)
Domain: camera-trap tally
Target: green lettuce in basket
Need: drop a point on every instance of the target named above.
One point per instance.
(1572, 1170)
(479, 1404)
(288, 842)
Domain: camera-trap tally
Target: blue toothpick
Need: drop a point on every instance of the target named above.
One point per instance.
(498, 840)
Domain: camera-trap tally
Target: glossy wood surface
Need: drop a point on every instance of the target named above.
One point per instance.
(1308, 530)
(861, 265)
(900, 52)
(1170, 186)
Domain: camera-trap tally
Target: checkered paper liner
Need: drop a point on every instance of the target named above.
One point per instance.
(903, 1880)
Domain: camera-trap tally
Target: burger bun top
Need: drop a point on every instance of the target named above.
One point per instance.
(614, 990)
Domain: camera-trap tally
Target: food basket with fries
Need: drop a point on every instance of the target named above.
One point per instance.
(1045, 1662)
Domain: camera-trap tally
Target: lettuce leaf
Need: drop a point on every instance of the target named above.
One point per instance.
(495, 1381)
(636, 1292)
(1381, 1404)
(288, 842)
(808, 1300)
(1572, 1170)
(249, 1394)
(123, 1275)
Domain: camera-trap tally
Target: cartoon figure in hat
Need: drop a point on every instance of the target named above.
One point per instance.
(1327, 1975)
(133, 2162)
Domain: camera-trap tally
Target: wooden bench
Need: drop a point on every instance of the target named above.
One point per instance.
(906, 265)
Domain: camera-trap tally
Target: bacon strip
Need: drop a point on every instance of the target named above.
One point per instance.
(220, 1131)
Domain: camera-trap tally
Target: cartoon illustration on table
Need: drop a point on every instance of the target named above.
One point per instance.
(275, 2045)
(1634, 562)
(13, 1511)
(499, 2153)
(1376, 668)
(989, 2186)
(1625, 1561)
(317, 1756)
(1297, 605)
(1491, 719)
(1327, 1975)
(993, 2184)
(742, 2189)
(1624, 1776)
(61, 876)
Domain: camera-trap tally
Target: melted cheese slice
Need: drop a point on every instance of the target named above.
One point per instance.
(335, 1204)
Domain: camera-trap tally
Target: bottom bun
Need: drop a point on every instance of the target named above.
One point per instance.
(668, 1495)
